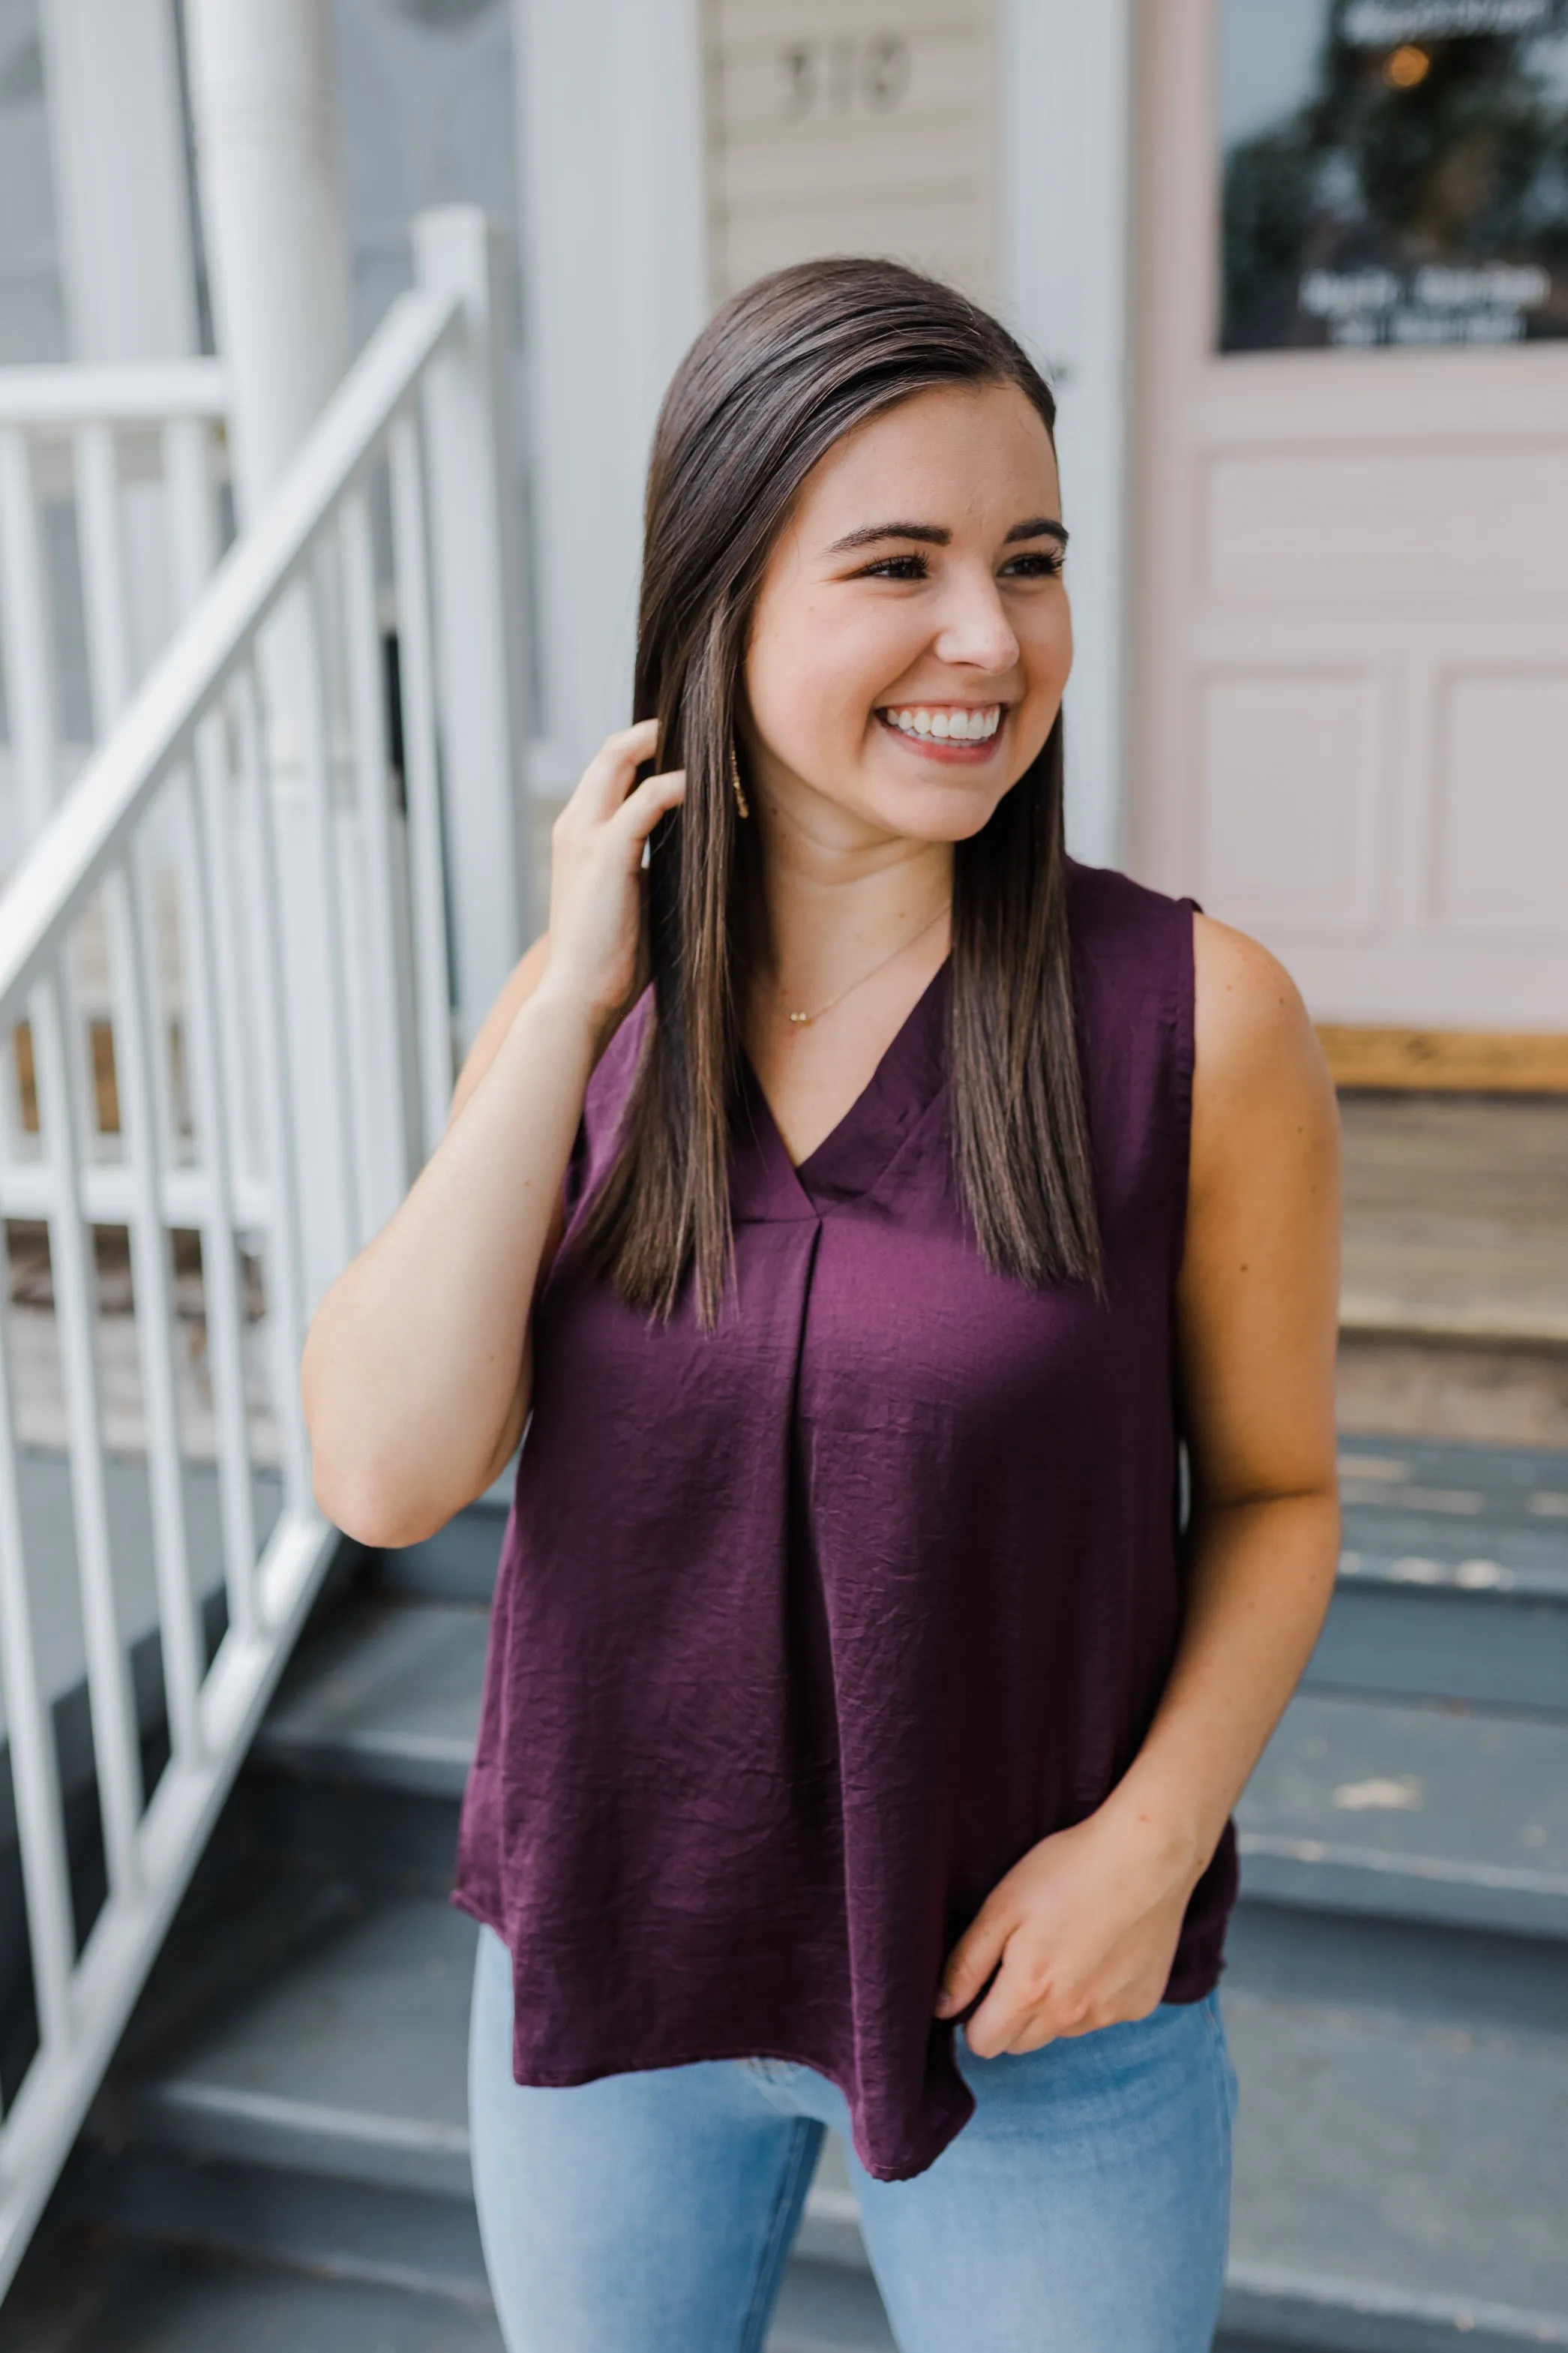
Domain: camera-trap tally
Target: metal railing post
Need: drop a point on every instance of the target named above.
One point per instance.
(476, 572)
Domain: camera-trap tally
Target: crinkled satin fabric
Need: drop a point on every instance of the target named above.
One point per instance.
(807, 1627)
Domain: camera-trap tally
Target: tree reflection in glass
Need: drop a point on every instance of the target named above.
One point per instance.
(1410, 189)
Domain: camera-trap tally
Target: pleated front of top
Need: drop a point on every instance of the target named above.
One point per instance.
(806, 1629)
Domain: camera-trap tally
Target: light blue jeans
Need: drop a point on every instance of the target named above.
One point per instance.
(1083, 2209)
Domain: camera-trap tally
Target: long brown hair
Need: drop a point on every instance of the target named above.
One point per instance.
(780, 374)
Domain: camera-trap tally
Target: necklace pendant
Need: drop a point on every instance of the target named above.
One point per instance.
(800, 1017)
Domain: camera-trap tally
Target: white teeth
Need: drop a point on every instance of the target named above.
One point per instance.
(956, 726)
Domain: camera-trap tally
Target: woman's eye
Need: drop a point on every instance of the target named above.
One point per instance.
(896, 567)
(1040, 566)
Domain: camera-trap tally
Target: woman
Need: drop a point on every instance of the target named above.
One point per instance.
(864, 1202)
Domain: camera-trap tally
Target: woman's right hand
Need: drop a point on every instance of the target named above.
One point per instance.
(595, 861)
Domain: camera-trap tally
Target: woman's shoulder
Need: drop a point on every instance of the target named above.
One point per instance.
(1236, 1000)
(1254, 1036)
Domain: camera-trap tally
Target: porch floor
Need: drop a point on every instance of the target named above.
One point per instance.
(1455, 1300)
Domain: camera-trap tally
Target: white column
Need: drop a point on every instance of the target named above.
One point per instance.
(1065, 101)
(610, 139)
(475, 576)
(117, 145)
(272, 213)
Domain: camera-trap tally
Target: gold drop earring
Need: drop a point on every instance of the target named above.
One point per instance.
(741, 801)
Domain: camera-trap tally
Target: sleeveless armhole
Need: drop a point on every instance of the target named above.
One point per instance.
(1184, 1061)
(573, 1183)
(598, 1135)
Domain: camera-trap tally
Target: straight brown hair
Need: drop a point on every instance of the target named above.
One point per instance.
(782, 371)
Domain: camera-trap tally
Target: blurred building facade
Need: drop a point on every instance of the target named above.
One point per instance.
(1299, 270)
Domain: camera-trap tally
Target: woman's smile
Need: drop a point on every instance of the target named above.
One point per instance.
(966, 734)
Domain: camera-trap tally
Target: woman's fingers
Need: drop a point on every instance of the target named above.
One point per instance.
(1002, 2017)
(652, 798)
(606, 780)
(973, 1958)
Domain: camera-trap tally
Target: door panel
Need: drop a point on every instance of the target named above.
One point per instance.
(1288, 778)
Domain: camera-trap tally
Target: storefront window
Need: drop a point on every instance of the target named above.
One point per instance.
(1395, 172)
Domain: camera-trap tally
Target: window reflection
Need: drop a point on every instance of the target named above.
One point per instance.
(1395, 172)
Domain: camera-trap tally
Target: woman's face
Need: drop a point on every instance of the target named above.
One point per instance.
(911, 638)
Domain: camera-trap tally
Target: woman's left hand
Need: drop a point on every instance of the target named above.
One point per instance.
(1080, 1934)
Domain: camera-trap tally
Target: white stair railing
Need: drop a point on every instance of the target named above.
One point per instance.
(249, 880)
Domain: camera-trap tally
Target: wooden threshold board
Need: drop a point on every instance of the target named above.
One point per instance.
(1447, 1061)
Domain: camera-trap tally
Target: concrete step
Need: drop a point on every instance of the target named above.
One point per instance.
(317, 2121)
(96, 2290)
(1483, 1520)
(459, 1563)
(1360, 2210)
(99, 2289)
(1412, 1810)
(385, 1692)
(1453, 1576)
(1453, 1223)
(1523, 1486)
(347, 2061)
(1402, 2143)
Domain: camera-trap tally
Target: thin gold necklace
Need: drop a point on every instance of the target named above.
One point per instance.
(803, 1020)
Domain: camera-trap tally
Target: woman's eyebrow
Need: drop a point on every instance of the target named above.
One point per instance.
(934, 534)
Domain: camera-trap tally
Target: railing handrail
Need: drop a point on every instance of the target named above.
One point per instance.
(64, 867)
(149, 392)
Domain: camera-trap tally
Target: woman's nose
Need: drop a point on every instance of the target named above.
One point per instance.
(974, 630)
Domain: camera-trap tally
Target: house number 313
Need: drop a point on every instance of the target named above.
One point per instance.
(832, 77)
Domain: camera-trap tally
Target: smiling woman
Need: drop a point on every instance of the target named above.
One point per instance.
(861, 1204)
(795, 431)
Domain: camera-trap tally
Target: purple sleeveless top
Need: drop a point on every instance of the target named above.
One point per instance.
(805, 1630)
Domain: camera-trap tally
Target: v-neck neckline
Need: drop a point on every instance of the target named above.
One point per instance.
(851, 1156)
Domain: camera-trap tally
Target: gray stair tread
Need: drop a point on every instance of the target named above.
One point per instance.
(458, 1562)
(349, 2060)
(1380, 2156)
(159, 2299)
(1448, 1813)
(95, 2291)
(1493, 1649)
(1420, 2164)
(1511, 1478)
(387, 1692)
(824, 2308)
(1478, 1519)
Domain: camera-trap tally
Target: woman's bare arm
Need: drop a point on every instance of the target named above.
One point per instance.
(1081, 1932)
(416, 1373)
(1258, 1322)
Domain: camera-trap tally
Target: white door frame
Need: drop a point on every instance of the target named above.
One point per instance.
(1064, 106)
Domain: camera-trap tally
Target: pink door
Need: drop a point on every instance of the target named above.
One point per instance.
(1349, 721)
